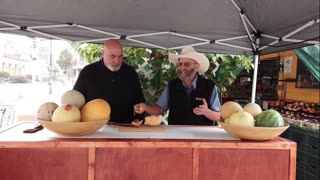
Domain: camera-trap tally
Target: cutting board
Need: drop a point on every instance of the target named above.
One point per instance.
(142, 128)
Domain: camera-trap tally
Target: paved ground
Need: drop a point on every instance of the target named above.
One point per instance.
(27, 97)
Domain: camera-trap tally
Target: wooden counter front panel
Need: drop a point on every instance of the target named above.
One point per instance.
(243, 164)
(44, 163)
(143, 163)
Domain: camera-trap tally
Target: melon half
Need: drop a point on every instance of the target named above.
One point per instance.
(153, 120)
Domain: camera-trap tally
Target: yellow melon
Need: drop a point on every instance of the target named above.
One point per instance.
(253, 108)
(229, 108)
(66, 113)
(73, 97)
(241, 118)
(153, 120)
(95, 110)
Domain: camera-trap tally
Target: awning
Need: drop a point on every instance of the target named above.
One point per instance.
(219, 26)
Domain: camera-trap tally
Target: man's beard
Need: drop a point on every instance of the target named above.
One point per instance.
(114, 67)
(188, 74)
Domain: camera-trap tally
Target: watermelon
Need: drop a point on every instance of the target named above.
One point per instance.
(269, 118)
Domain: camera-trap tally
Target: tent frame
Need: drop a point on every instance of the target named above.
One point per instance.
(254, 37)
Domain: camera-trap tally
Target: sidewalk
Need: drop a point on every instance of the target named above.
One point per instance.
(26, 98)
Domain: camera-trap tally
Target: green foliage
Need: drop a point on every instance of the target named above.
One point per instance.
(65, 59)
(229, 68)
(4, 75)
(155, 70)
(88, 51)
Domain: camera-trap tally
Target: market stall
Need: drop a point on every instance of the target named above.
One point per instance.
(177, 152)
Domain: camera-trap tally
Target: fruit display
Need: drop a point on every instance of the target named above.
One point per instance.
(268, 124)
(73, 116)
(298, 113)
(251, 115)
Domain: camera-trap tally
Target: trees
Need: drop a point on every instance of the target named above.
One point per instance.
(65, 60)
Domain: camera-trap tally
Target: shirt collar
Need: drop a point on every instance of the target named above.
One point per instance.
(193, 84)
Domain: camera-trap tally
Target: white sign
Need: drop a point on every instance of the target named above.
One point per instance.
(287, 64)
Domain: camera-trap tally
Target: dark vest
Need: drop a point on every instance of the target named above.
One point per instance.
(181, 104)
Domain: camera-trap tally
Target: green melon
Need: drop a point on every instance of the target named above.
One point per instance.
(269, 118)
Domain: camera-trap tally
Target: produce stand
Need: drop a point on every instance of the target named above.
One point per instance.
(179, 152)
(308, 151)
(303, 118)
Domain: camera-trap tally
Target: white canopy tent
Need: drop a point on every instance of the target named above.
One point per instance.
(220, 26)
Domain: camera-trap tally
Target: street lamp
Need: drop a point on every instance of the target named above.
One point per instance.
(50, 69)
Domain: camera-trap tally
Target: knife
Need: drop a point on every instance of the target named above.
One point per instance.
(128, 125)
(33, 130)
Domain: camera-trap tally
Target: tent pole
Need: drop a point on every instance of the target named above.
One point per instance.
(255, 72)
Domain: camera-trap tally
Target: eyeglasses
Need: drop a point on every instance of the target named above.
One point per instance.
(186, 64)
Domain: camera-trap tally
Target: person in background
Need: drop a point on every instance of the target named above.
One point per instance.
(191, 99)
(114, 81)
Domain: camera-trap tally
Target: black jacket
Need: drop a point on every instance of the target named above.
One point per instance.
(181, 104)
(120, 89)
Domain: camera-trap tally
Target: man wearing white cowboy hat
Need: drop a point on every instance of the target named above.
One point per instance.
(191, 99)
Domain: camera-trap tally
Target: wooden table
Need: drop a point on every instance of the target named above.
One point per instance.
(45, 158)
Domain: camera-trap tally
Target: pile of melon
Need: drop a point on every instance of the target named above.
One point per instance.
(74, 109)
(251, 115)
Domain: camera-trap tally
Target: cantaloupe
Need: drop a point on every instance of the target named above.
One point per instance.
(252, 108)
(153, 120)
(137, 122)
(66, 113)
(46, 110)
(73, 97)
(229, 108)
(95, 110)
(241, 118)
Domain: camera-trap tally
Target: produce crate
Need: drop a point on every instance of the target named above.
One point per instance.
(298, 135)
(313, 165)
(301, 172)
(308, 161)
(302, 154)
(313, 144)
(286, 134)
(308, 176)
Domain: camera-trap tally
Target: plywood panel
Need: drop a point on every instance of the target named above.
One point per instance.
(143, 163)
(243, 164)
(43, 164)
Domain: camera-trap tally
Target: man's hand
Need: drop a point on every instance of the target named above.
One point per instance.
(139, 108)
(202, 109)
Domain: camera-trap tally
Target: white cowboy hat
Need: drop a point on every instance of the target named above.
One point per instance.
(189, 52)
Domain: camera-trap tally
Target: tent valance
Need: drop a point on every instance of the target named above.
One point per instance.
(231, 27)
